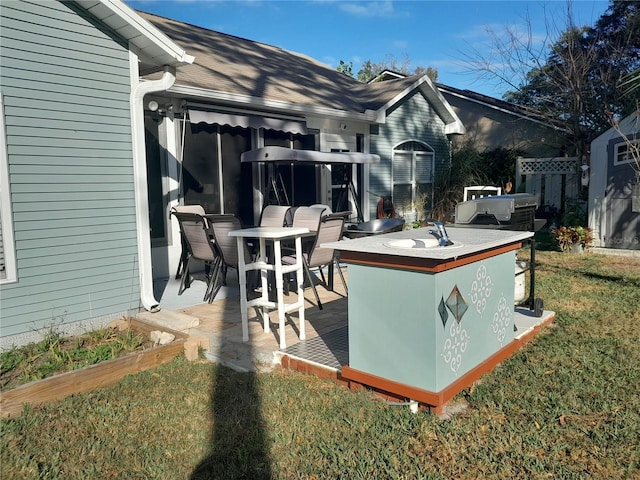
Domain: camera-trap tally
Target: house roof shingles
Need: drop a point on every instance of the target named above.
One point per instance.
(229, 64)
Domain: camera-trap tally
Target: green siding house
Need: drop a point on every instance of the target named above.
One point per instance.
(73, 197)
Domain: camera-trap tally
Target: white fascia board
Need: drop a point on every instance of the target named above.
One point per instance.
(455, 128)
(453, 125)
(139, 32)
(277, 105)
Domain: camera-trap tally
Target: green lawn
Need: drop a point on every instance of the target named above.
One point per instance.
(567, 406)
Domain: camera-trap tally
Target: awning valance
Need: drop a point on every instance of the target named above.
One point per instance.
(247, 121)
(288, 155)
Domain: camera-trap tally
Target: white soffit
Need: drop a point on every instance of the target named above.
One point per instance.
(152, 46)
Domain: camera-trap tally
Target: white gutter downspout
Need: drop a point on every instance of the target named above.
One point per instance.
(138, 91)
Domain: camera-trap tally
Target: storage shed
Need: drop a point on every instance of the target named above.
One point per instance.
(614, 186)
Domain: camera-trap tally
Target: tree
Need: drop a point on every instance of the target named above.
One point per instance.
(561, 89)
(346, 68)
(370, 70)
(631, 83)
(575, 74)
(430, 72)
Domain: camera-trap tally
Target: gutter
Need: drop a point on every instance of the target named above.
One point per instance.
(143, 227)
(235, 99)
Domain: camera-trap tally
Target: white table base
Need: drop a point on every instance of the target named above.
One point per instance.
(264, 266)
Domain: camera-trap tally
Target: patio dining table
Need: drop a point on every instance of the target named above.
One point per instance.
(266, 263)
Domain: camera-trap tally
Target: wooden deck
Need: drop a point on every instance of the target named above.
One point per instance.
(223, 318)
(220, 322)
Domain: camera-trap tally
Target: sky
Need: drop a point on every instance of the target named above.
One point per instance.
(439, 34)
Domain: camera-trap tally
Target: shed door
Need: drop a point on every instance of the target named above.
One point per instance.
(623, 226)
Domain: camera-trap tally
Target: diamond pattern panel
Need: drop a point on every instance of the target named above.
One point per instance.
(456, 304)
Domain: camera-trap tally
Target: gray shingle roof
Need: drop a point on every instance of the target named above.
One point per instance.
(229, 64)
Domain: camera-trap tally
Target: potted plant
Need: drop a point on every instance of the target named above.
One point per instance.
(573, 239)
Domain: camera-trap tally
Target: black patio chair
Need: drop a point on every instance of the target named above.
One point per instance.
(199, 246)
(184, 253)
(226, 247)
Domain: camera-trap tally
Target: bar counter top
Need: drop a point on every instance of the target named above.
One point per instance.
(466, 241)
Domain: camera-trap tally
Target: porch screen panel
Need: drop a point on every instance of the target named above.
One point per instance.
(238, 189)
(156, 168)
(200, 167)
(299, 181)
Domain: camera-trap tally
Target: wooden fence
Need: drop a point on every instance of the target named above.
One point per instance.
(552, 180)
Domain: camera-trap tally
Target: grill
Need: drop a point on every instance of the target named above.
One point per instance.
(374, 227)
(508, 212)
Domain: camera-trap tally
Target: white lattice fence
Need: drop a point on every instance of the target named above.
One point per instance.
(553, 180)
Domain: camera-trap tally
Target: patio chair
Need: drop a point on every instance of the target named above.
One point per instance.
(308, 217)
(329, 229)
(274, 216)
(183, 255)
(226, 246)
(199, 246)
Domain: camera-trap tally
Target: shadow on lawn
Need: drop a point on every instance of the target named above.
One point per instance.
(238, 442)
(239, 446)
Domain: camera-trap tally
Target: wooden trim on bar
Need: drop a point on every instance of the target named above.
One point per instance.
(438, 399)
(405, 391)
(430, 265)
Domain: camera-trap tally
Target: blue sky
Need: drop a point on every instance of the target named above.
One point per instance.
(428, 32)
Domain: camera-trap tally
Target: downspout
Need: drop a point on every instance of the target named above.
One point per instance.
(138, 92)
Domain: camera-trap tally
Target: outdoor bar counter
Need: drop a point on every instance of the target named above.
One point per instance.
(424, 323)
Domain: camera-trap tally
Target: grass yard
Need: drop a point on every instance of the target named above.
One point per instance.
(565, 407)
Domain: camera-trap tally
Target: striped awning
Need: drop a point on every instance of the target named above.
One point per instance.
(247, 121)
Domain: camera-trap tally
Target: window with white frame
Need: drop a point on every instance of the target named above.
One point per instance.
(7, 250)
(413, 167)
(623, 152)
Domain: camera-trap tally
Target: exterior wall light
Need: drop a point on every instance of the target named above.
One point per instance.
(585, 175)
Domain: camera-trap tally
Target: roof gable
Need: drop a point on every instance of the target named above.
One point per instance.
(628, 126)
(409, 85)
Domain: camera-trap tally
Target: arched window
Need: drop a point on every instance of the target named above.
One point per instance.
(412, 175)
